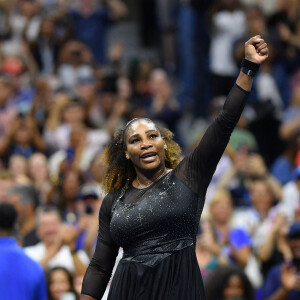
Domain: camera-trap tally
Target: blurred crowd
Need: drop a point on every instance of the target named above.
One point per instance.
(65, 89)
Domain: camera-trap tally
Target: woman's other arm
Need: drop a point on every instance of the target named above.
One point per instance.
(203, 161)
(99, 271)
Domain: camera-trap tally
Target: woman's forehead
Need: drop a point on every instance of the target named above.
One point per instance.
(141, 124)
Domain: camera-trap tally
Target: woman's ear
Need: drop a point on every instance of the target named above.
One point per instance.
(127, 155)
(165, 147)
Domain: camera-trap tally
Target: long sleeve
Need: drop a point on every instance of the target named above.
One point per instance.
(102, 263)
(197, 169)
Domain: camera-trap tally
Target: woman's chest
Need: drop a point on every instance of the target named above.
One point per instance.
(167, 211)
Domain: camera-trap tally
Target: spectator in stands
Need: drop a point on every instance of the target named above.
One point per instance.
(97, 19)
(8, 110)
(38, 172)
(58, 244)
(18, 167)
(275, 248)
(6, 182)
(208, 260)
(284, 165)
(291, 195)
(228, 283)
(232, 243)
(45, 48)
(20, 276)
(23, 139)
(60, 283)
(65, 194)
(228, 23)
(26, 200)
(283, 281)
(164, 108)
(257, 218)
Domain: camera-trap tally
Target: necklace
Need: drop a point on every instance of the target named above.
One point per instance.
(160, 176)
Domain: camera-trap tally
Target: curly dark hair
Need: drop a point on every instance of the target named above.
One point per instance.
(217, 281)
(119, 171)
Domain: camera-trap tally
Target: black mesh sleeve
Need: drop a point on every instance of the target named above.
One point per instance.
(100, 268)
(197, 168)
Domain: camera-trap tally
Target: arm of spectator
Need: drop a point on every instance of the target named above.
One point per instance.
(288, 281)
(241, 255)
(8, 138)
(90, 224)
(257, 167)
(54, 119)
(51, 251)
(118, 9)
(118, 111)
(288, 129)
(70, 235)
(288, 36)
(239, 166)
(267, 248)
(79, 152)
(37, 138)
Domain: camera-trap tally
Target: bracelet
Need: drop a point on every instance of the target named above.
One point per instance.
(249, 68)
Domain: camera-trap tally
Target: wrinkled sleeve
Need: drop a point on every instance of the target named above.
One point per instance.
(197, 168)
(100, 268)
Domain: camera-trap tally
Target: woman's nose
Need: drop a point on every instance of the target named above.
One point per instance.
(146, 144)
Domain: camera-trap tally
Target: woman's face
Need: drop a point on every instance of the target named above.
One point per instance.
(59, 284)
(71, 185)
(145, 145)
(38, 167)
(221, 210)
(234, 288)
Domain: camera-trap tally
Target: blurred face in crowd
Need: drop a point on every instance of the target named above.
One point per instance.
(295, 246)
(74, 113)
(97, 169)
(24, 132)
(49, 227)
(234, 288)
(71, 185)
(28, 8)
(221, 209)
(59, 283)
(38, 167)
(47, 28)
(5, 184)
(256, 20)
(6, 92)
(22, 209)
(261, 196)
(86, 88)
(124, 88)
(158, 78)
(18, 165)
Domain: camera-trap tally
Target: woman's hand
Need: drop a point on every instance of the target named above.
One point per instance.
(256, 50)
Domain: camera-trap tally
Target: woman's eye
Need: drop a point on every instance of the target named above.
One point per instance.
(153, 136)
(134, 141)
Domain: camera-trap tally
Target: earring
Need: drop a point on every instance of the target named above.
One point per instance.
(127, 156)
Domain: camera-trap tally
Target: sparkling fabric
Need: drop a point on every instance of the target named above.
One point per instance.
(157, 226)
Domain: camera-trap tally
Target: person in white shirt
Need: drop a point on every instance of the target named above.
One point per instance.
(58, 244)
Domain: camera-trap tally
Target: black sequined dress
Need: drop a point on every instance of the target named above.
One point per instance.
(157, 226)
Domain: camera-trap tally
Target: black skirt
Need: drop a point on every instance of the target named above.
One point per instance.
(177, 277)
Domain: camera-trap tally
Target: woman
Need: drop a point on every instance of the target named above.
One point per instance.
(60, 284)
(228, 283)
(154, 204)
